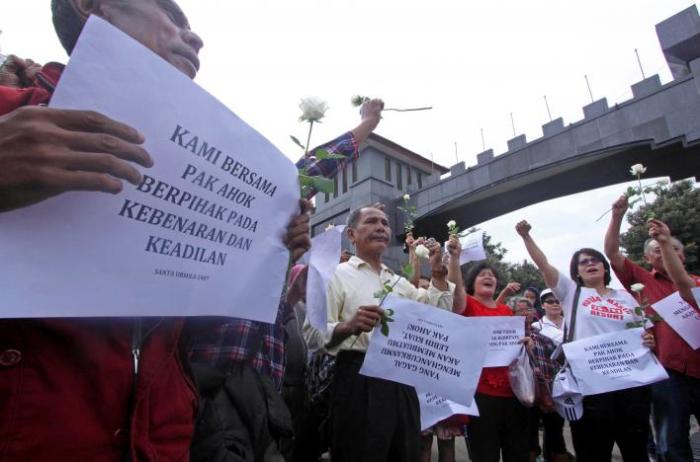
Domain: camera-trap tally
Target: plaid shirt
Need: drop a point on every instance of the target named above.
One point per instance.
(345, 145)
(224, 343)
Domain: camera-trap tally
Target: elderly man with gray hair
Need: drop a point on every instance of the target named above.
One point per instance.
(674, 399)
(373, 419)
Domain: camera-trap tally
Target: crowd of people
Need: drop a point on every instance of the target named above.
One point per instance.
(216, 389)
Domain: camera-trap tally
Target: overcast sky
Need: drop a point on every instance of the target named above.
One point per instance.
(474, 62)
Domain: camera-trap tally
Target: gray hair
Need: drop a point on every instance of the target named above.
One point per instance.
(674, 240)
(354, 216)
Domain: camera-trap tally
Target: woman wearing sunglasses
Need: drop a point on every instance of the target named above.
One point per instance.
(621, 416)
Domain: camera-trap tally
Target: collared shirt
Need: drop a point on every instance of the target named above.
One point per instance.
(548, 328)
(673, 352)
(225, 343)
(354, 284)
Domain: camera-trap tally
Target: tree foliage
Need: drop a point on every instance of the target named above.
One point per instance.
(678, 205)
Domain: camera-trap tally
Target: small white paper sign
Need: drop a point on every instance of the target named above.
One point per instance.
(202, 234)
(472, 247)
(434, 408)
(430, 349)
(504, 340)
(614, 361)
(696, 294)
(323, 259)
(682, 318)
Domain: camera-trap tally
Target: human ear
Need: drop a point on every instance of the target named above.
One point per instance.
(85, 8)
(351, 235)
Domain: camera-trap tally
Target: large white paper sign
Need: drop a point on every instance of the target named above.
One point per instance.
(434, 408)
(201, 235)
(324, 258)
(504, 340)
(431, 349)
(472, 247)
(682, 318)
(613, 361)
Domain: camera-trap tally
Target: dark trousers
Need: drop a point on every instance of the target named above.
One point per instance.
(620, 417)
(374, 420)
(501, 427)
(673, 401)
(553, 432)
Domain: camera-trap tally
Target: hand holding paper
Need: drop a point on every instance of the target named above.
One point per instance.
(201, 228)
(45, 152)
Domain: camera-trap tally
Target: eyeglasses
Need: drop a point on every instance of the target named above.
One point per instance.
(589, 261)
(552, 301)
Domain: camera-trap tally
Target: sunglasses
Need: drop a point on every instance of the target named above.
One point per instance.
(589, 261)
(552, 301)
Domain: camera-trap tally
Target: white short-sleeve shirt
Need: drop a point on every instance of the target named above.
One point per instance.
(595, 314)
(546, 327)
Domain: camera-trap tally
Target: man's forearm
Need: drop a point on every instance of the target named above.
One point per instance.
(676, 271)
(342, 331)
(363, 130)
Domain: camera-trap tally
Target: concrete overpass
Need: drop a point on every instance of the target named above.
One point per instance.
(659, 127)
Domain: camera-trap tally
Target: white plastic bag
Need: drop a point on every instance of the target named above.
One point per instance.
(522, 379)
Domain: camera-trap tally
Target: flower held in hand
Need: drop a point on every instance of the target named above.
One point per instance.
(312, 109)
(422, 252)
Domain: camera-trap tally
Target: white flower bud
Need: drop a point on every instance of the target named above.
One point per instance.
(312, 109)
(637, 169)
(406, 197)
(422, 252)
(451, 224)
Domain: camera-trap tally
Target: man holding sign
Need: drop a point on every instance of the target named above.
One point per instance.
(673, 400)
(373, 419)
(93, 389)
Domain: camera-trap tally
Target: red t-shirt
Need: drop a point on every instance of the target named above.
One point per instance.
(673, 352)
(494, 381)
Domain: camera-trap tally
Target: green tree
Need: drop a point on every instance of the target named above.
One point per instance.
(524, 273)
(678, 205)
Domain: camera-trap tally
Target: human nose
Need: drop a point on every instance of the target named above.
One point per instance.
(192, 39)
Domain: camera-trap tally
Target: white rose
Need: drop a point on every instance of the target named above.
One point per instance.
(422, 251)
(638, 287)
(406, 197)
(637, 169)
(312, 109)
(451, 224)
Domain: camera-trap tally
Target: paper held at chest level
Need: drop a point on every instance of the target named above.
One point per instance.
(430, 349)
(613, 361)
(682, 318)
(201, 235)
